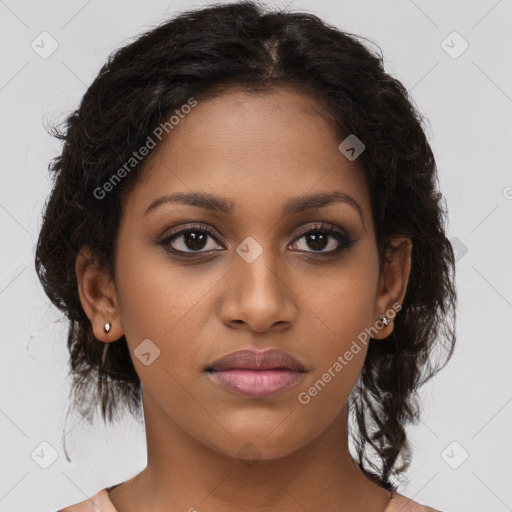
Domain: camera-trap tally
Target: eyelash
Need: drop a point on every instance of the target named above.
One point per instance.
(337, 233)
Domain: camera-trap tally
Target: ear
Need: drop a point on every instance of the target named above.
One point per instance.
(393, 282)
(98, 296)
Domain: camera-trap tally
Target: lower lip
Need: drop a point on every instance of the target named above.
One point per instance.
(256, 383)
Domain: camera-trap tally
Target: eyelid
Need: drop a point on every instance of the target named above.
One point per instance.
(317, 226)
(180, 229)
(322, 226)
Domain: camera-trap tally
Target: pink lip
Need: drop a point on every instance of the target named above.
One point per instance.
(256, 374)
(256, 383)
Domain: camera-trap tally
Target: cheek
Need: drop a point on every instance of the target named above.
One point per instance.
(343, 304)
(163, 309)
(339, 359)
(157, 296)
(343, 307)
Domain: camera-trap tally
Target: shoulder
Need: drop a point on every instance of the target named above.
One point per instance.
(400, 503)
(100, 501)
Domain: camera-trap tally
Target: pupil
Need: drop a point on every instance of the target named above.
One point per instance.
(315, 241)
(195, 240)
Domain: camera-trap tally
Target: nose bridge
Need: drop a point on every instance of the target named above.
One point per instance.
(258, 294)
(257, 267)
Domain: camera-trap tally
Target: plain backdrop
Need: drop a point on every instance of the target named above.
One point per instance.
(463, 445)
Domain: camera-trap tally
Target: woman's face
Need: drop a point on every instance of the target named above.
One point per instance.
(257, 280)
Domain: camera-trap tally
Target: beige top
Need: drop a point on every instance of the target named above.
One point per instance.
(100, 502)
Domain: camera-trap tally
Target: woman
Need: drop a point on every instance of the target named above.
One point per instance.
(246, 235)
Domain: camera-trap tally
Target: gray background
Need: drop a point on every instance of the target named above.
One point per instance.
(468, 102)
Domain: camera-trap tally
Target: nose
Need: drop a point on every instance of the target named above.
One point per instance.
(257, 295)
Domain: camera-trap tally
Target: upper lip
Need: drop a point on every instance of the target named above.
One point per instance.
(257, 360)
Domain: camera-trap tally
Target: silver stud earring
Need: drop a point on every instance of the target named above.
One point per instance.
(107, 327)
(384, 320)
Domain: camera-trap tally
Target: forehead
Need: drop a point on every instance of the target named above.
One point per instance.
(279, 116)
(251, 147)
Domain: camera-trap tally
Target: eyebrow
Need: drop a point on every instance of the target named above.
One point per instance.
(293, 206)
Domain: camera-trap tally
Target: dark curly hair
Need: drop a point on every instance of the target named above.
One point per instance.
(199, 54)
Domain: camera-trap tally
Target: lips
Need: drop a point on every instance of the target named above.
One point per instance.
(271, 359)
(255, 374)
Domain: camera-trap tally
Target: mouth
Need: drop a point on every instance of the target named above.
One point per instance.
(256, 374)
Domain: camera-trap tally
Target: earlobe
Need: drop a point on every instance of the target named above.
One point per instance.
(393, 283)
(98, 296)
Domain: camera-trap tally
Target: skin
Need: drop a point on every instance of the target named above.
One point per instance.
(257, 150)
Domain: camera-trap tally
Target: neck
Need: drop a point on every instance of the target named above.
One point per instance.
(184, 474)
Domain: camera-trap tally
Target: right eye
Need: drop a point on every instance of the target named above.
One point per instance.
(191, 240)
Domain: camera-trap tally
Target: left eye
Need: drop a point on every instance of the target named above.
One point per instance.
(323, 240)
